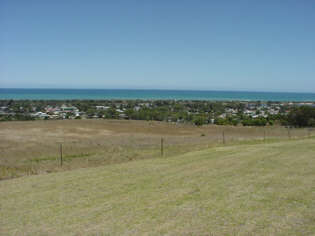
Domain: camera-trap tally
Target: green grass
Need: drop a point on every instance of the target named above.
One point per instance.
(248, 189)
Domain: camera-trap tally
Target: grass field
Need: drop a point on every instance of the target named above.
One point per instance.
(28, 148)
(257, 189)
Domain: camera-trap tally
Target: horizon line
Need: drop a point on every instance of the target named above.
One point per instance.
(155, 89)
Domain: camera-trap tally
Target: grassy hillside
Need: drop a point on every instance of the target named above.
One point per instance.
(32, 147)
(261, 189)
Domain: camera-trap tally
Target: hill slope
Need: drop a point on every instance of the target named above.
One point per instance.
(263, 189)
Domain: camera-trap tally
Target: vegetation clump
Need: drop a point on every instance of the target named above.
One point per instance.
(194, 112)
(303, 116)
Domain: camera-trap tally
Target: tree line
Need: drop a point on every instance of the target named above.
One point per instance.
(196, 112)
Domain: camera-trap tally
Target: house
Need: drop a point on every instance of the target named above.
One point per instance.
(73, 109)
(40, 114)
(102, 107)
(136, 108)
(248, 112)
(123, 116)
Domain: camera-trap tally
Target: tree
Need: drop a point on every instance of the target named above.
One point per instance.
(302, 116)
(199, 120)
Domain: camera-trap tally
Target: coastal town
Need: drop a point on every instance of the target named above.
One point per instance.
(197, 112)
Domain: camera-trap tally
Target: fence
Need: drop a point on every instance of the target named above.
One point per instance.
(69, 153)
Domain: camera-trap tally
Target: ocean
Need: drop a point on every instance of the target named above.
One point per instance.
(99, 94)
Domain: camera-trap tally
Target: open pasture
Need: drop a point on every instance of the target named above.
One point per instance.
(33, 147)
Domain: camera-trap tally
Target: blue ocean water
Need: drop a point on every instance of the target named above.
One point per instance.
(98, 94)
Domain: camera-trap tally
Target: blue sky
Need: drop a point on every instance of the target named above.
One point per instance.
(167, 44)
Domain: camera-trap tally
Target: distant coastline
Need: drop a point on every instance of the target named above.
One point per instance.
(150, 94)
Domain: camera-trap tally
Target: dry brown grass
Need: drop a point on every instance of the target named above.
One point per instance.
(32, 147)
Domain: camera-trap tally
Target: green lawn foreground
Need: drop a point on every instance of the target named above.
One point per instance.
(260, 189)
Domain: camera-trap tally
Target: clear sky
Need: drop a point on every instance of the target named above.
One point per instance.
(264, 45)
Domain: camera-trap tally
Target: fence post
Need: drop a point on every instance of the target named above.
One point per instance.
(289, 133)
(223, 137)
(61, 154)
(162, 146)
(32, 168)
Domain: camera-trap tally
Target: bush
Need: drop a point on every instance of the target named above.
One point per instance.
(199, 121)
(254, 122)
(226, 121)
(302, 116)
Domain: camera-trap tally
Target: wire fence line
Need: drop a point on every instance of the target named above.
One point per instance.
(72, 154)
